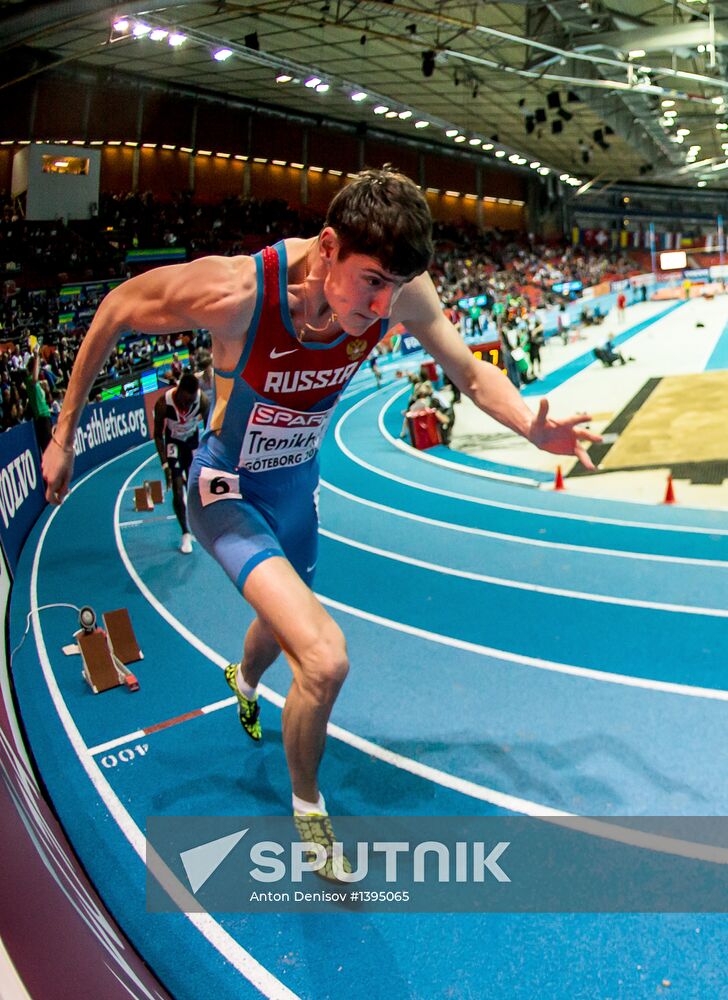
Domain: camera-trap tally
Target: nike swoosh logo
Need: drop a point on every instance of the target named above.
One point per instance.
(281, 354)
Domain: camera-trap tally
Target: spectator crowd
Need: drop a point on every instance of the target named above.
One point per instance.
(511, 276)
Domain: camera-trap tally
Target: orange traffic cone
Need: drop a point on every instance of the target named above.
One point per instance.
(559, 479)
(669, 492)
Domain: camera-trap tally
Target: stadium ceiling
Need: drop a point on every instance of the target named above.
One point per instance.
(580, 86)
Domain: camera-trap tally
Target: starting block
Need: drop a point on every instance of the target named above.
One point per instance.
(147, 495)
(154, 487)
(121, 636)
(142, 498)
(105, 654)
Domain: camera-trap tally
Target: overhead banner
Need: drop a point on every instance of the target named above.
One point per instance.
(22, 496)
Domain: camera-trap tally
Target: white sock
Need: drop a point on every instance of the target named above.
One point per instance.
(301, 807)
(245, 689)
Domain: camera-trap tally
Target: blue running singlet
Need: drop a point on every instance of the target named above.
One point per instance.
(253, 484)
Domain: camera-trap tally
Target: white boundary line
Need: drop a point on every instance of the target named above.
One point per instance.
(519, 539)
(227, 946)
(577, 595)
(586, 825)
(500, 505)
(425, 456)
(231, 951)
(666, 687)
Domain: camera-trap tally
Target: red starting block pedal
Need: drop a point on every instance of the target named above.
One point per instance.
(131, 682)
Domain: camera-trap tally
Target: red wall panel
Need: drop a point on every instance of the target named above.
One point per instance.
(276, 139)
(163, 171)
(330, 149)
(221, 129)
(270, 181)
(504, 216)
(406, 160)
(321, 189)
(504, 184)
(216, 178)
(116, 169)
(6, 167)
(449, 173)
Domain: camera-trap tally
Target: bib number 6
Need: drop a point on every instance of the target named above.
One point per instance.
(216, 485)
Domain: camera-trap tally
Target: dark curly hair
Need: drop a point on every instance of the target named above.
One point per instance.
(383, 214)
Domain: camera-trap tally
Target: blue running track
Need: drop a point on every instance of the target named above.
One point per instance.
(512, 651)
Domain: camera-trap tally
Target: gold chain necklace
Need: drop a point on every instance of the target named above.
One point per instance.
(307, 328)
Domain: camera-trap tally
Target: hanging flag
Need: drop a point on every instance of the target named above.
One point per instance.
(575, 236)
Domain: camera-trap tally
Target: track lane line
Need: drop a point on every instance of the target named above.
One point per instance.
(587, 825)
(227, 946)
(502, 505)
(536, 588)
(518, 539)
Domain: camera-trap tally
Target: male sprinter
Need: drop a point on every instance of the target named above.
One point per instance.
(290, 326)
(177, 416)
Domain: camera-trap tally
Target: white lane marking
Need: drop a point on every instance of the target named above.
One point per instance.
(139, 734)
(501, 505)
(518, 539)
(425, 456)
(577, 595)
(482, 793)
(146, 520)
(237, 956)
(604, 676)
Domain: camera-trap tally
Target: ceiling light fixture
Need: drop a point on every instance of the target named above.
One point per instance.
(220, 55)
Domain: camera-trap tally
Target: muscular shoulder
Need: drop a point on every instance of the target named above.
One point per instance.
(220, 290)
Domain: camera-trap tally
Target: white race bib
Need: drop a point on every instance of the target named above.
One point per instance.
(278, 438)
(216, 485)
